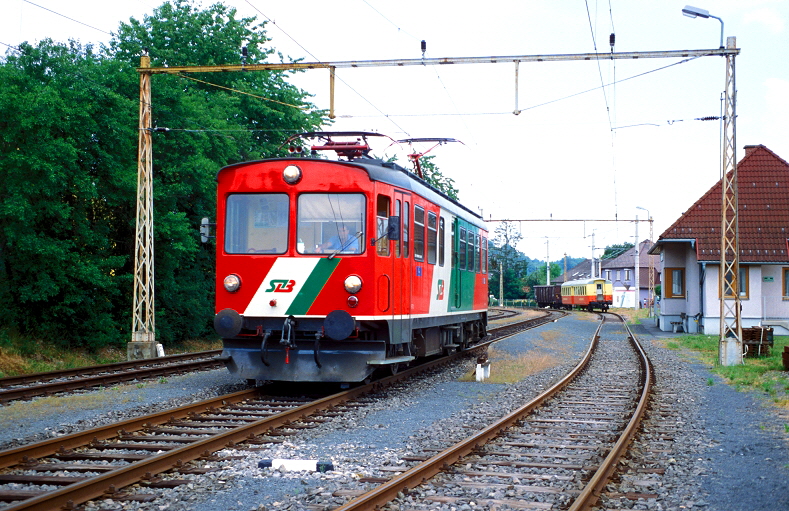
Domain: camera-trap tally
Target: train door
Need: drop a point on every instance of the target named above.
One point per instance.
(458, 263)
(401, 288)
(600, 295)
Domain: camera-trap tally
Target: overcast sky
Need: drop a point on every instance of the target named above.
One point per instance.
(596, 155)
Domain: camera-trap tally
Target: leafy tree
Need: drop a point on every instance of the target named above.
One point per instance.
(506, 259)
(68, 152)
(434, 176)
(68, 173)
(210, 127)
(612, 251)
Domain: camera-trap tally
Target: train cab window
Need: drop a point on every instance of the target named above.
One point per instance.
(441, 243)
(382, 223)
(398, 206)
(330, 222)
(419, 233)
(406, 227)
(432, 237)
(462, 249)
(484, 255)
(256, 223)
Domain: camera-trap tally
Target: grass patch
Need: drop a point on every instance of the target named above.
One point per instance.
(505, 368)
(633, 316)
(762, 374)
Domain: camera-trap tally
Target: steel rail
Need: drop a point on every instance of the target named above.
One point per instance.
(109, 482)
(417, 475)
(80, 371)
(43, 389)
(591, 493)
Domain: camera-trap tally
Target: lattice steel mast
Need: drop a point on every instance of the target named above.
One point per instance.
(730, 346)
(143, 329)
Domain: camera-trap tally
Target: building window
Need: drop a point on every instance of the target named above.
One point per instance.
(785, 284)
(742, 282)
(608, 275)
(627, 275)
(675, 283)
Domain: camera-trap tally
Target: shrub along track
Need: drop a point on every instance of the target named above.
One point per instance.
(73, 469)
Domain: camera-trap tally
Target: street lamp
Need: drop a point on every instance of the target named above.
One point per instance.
(730, 344)
(692, 12)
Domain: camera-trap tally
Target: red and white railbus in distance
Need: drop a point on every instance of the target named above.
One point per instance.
(330, 269)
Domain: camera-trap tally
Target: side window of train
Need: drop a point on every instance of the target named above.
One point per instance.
(419, 233)
(382, 222)
(484, 254)
(398, 243)
(406, 227)
(462, 249)
(432, 237)
(476, 253)
(454, 261)
(441, 244)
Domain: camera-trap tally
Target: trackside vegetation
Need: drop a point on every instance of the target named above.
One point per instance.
(68, 160)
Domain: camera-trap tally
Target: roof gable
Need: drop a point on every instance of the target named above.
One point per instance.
(763, 207)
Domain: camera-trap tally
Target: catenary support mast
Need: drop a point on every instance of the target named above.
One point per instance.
(143, 309)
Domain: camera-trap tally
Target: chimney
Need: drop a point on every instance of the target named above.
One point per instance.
(751, 148)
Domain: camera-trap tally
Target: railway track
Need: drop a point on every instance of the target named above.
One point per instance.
(27, 386)
(14, 388)
(66, 471)
(556, 452)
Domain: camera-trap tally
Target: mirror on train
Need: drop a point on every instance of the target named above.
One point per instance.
(393, 228)
(205, 230)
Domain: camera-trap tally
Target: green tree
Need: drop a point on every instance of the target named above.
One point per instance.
(434, 176)
(213, 120)
(505, 257)
(67, 178)
(612, 251)
(68, 152)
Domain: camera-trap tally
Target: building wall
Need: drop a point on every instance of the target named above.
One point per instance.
(763, 306)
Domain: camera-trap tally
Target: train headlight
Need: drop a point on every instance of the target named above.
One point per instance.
(353, 284)
(291, 174)
(232, 282)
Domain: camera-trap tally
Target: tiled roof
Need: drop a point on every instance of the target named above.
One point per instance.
(628, 258)
(582, 270)
(763, 206)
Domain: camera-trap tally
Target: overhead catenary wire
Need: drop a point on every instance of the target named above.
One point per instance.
(336, 77)
(67, 17)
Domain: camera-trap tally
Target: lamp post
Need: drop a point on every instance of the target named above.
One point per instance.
(693, 12)
(651, 288)
(730, 344)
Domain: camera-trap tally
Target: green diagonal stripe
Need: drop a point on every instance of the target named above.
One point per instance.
(315, 282)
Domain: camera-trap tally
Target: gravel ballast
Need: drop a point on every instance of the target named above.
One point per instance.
(730, 451)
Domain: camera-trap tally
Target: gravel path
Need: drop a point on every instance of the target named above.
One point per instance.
(730, 452)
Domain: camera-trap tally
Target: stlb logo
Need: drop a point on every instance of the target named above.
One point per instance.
(440, 295)
(280, 286)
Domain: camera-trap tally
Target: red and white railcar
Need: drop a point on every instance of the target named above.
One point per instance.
(327, 270)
